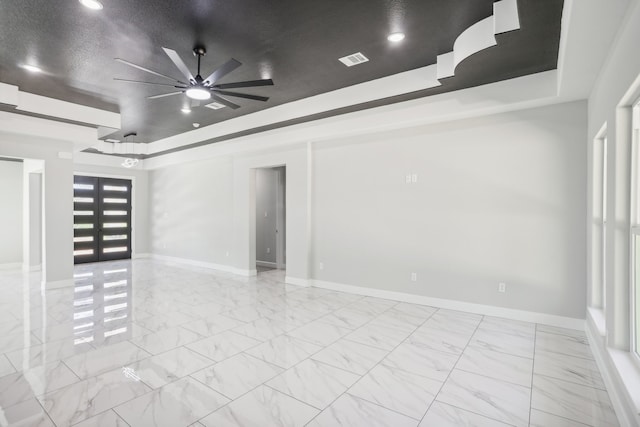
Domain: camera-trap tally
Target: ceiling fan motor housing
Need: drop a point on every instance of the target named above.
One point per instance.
(199, 51)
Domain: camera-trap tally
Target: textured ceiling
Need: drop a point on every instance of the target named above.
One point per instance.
(295, 42)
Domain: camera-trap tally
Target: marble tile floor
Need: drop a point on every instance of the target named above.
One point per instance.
(145, 343)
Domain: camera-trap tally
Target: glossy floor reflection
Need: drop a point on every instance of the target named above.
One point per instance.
(144, 343)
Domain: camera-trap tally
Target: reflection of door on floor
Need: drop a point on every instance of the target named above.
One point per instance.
(101, 219)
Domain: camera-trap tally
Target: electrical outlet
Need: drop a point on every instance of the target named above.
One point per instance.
(322, 266)
(268, 250)
(227, 253)
(502, 287)
(414, 277)
(265, 214)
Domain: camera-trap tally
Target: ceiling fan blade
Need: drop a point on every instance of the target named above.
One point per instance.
(155, 73)
(250, 83)
(226, 68)
(242, 95)
(225, 102)
(162, 95)
(146, 83)
(175, 58)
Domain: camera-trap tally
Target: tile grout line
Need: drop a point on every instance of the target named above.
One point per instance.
(88, 378)
(71, 370)
(249, 289)
(151, 389)
(464, 409)
(287, 394)
(388, 353)
(259, 385)
(565, 418)
(303, 360)
(533, 369)
(452, 369)
(264, 382)
(102, 413)
(45, 412)
(219, 392)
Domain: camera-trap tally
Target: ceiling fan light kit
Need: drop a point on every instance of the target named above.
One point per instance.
(198, 88)
(129, 148)
(198, 92)
(92, 4)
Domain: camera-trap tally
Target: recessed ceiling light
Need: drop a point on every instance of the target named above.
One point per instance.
(92, 4)
(186, 110)
(32, 68)
(395, 37)
(196, 125)
(113, 141)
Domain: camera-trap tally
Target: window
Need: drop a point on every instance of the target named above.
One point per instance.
(635, 235)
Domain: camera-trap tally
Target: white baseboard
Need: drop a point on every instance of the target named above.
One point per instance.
(266, 264)
(11, 266)
(204, 264)
(140, 256)
(246, 273)
(193, 263)
(31, 268)
(58, 284)
(297, 281)
(487, 310)
(620, 374)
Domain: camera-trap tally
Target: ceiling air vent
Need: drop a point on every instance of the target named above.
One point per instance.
(354, 59)
(214, 106)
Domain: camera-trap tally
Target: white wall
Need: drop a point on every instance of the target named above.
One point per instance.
(498, 199)
(140, 201)
(58, 192)
(266, 204)
(191, 209)
(32, 214)
(10, 212)
(35, 219)
(205, 211)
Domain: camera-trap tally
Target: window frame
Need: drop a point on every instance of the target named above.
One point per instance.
(634, 288)
(599, 223)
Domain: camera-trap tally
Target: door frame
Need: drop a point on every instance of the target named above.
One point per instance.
(281, 214)
(133, 201)
(253, 196)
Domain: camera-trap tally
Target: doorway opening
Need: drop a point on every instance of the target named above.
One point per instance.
(21, 214)
(101, 219)
(271, 219)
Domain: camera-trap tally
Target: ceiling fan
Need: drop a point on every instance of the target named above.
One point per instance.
(198, 88)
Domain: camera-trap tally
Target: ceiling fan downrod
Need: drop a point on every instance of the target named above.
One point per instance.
(199, 52)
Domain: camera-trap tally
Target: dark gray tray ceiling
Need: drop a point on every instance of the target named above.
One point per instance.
(295, 42)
